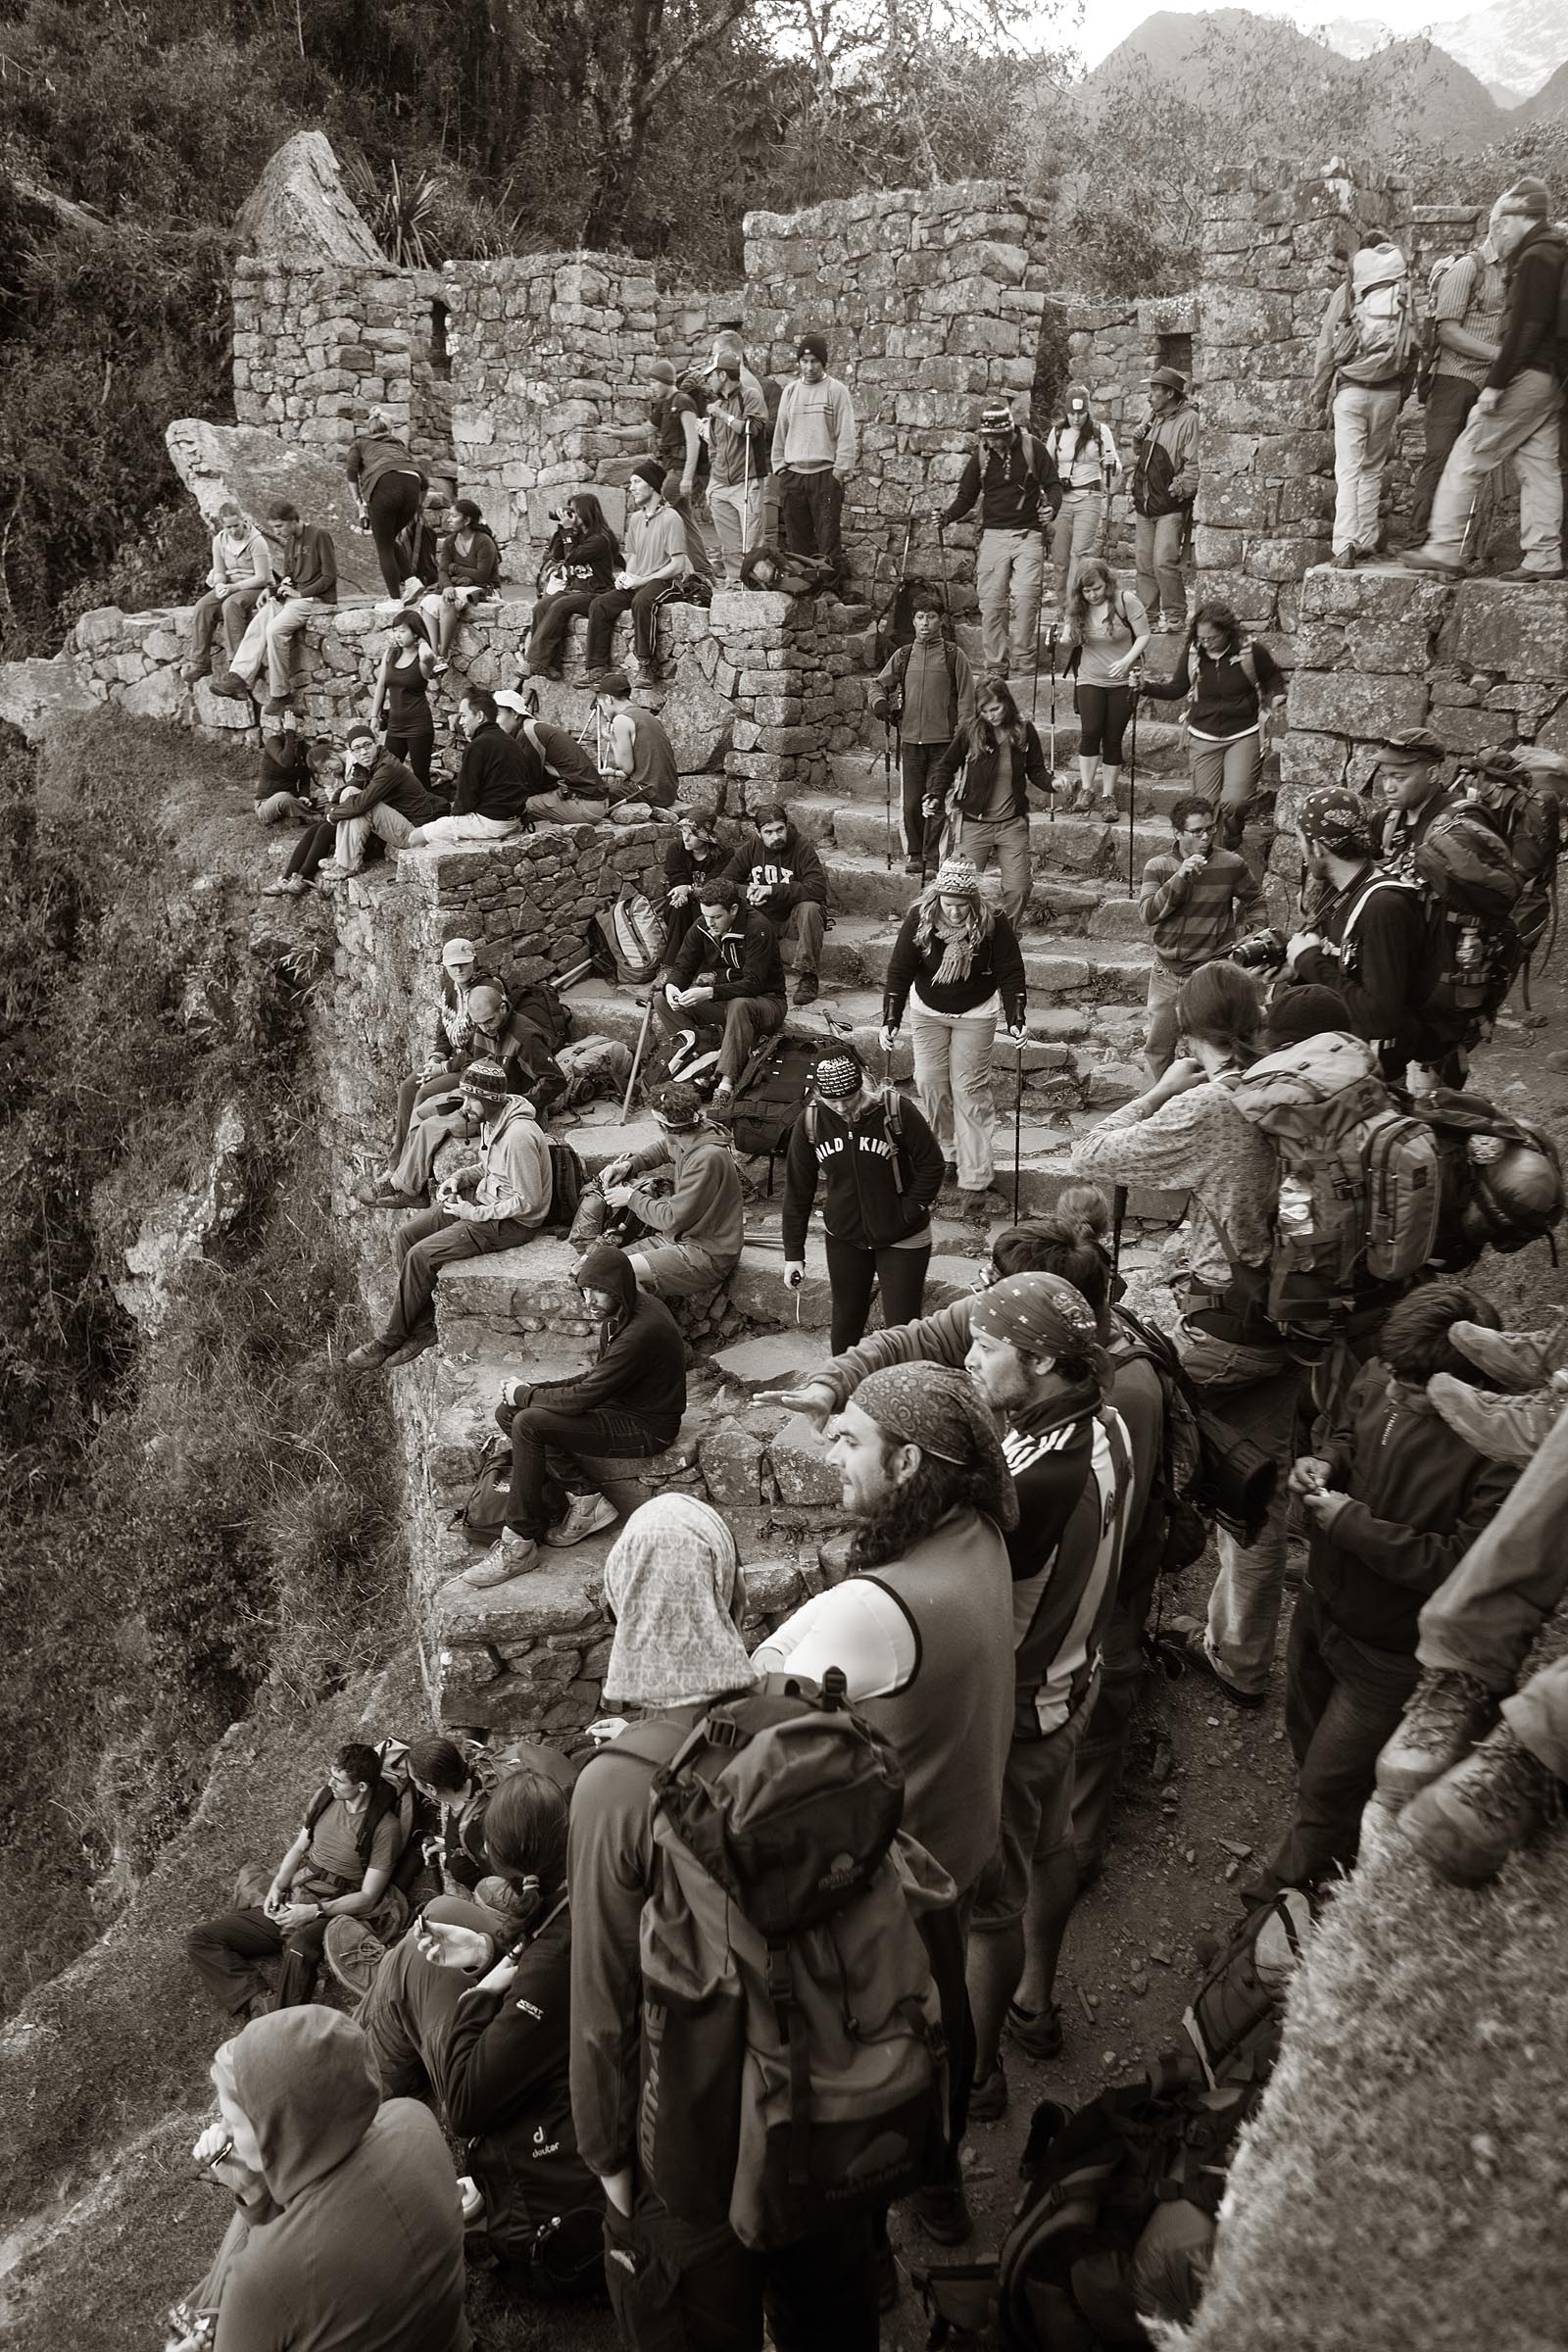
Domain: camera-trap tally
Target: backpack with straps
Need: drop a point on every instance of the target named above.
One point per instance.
(1179, 1474)
(892, 1130)
(1472, 885)
(949, 657)
(1430, 348)
(770, 1092)
(638, 934)
(567, 1179)
(1520, 793)
(793, 2062)
(1359, 1191)
(1374, 343)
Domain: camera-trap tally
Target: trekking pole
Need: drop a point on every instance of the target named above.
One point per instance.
(1051, 640)
(1118, 1218)
(1018, 1133)
(1034, 688)
(887, 796)
(637, 1057)
(942, 558)
(904, 560)
(1132, 796)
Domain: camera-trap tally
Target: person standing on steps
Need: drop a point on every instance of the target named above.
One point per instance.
(1164, 484)
(641, 752)
(1083, 451)
(628, 1403)
(1361, 373)
(737, 463)
(1195, 903)
(728, 976)
(985, 778)
(1467, 309)
(678, 438)
(957, 957)
(497, 1203)
(655, 565)
(389, 485)
(813, 454)
(579, 564)
(1230, 678)
(1368, 935)
(400, 701)
(1107, 632)
(696, 1229)
(926, 691)
(240, 571)
(880, 1169)
(1516, 414)
(779, 873)
(1013, 476)
(1035, 1356)
(467, 573)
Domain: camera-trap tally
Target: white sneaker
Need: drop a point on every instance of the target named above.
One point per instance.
(502, 1562)
(587, 1515)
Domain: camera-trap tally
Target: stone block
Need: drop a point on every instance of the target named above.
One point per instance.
(216, 462)
(797, 1458)
(1512, 627)
(1343, 703)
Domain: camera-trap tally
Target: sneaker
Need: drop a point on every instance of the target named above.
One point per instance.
(190, 671)
(913, 866)
(1505, 1429)
(1416, 559)
(1107, 808)
(354, 1952)
(1188, 1636)
(806, 989)
(1173, 622)
(975, 1203)
(1082, 803)
(987, 2100)
(1037, 2032)
(1515, 1359)
(1467, 1824)
(587, 1515)
(943, 2213)
(1525, 572)
(512, 1557)
(370, 1358)
(1445, 1716)
(285, 887)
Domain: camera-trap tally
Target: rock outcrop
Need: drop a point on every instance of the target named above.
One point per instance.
(216, 462)
(301, 208)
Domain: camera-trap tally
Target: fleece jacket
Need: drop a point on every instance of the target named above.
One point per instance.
(868, 1199)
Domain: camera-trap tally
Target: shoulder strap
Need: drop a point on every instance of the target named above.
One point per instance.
(810, 1116)
(318, 1806)
(1247, 663)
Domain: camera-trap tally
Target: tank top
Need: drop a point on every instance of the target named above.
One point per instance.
(407, 711)
(653, 774)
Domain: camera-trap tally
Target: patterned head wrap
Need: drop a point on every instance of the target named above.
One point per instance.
(675, 1581)
(1336, 815)
(1041, 1315)
(941, 1410)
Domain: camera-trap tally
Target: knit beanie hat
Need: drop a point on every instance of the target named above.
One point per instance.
(997, 418)
(485, 1081)
(651, 472)
(838, 1074)
(663, 369)
(1335, 815)
(1530, 196)
(814, 347)
(956, 878)
(1304, 1010)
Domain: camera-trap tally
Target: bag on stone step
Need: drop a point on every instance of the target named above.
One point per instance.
(639, 935)
(567, 1182)
(770, 1093)
(1359, 1190)
(793, 2067)
(483, 1515)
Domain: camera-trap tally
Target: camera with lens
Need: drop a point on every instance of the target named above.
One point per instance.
(1261, 951)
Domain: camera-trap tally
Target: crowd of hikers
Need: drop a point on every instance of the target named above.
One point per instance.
(675, 2012)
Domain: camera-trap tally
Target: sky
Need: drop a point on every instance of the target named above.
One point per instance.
(1105, 23)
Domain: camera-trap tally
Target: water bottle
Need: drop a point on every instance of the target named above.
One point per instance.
(1295, 1210)
(1467, 954)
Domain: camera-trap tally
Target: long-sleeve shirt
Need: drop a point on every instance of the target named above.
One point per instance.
(1195, 1142)
(1195, 917)
(979, 763)
(791, 874)
(1382, 957)
(498, 771)
(1170, 439)
(1535, 273)
(734, 420)
(706, 1207)
(309, 562)
(478, 569)
(515, 1176)
(390, 781)
(934, 684)
(746, 961)
(1009, 485)
(1226, 703)
(374, 455)
(815, 427)
(640, 1370)
(1083, 469)
(996, 968)
(868, 1201)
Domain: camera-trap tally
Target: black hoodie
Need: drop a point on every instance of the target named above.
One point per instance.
(641, 1364)
(1535, 274)
(863, 1202)
(792, 873)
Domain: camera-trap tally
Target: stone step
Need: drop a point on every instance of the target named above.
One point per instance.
(1163, 751)
(855, 951)
(1078, 848)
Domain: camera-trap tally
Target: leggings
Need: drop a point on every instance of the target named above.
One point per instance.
(391, 507)
(313, 846)
(415, 750)
(852, 1270)
(1103, 715)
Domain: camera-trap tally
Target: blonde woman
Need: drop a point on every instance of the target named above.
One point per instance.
(957, 955)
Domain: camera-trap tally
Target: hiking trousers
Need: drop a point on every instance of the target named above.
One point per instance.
(678, 2288)
(1009, 570)
(737, 1024)
(643, 604)
(918, 764)
(812, 510)
(1365, 416)
(1255, 1389)
(953, 1077)
(1343, 1701)
(234, 606)
(852, 1270)
(1447, 413)
(1075, 536)
(1523, 426)
(1160, 586)
(424, 1245)
(224, 1953)
(980, 839)
(548, 1451)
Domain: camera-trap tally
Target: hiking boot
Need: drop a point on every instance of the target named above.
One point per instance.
(1188, 1636)
(587, 1515)
(1082, 803)
(943, 2213)
(512, 1557)
(1037, 2032)
(370, 1358)
(914, 865)
(1467, 1824)
(987, 2100)
(806, 989)
(260, 2004)
(1416, 559)
(354, 1953)
(1524, 572)
(417, 1343)
(1346, 559)
(1444, 1717)
(276, 705)
(1515, 1359)
(976, 1201)
(229, 687)
(190, 671)
(1505, 1429)
(1106, 811)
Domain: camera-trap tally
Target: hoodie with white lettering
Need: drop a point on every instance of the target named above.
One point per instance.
(879, 1174)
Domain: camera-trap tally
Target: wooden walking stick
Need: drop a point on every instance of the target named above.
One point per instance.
(637, 1057)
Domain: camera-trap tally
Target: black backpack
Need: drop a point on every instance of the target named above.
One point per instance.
(483, 1515)
(567, 1178)
(770, 1092)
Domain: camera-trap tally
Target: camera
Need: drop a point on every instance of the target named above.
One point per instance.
(1262, 952)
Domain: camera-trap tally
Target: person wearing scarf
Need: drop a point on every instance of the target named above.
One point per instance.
(1034, 1354)
(959, 958)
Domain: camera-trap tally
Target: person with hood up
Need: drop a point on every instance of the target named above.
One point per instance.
(781, 873)
(348, 2235)
(699, 1226)
(629, 1402)
(675, 1585)
(497, 1203)
(880, 1167)
(1359, 381)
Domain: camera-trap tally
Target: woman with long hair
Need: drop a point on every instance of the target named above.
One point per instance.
(1108, 629)
(468, 572)
(579, 564)
(983, 780)
(958, 957)
(1229, 678)
(401, 685)
(1083, 450)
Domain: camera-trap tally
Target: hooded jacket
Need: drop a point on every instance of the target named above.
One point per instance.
(363, 2248)
(454, 1030)
(745, 962)
(1533, 276)
(706, 1209)
(792, 874)
(515, 1179)
(641, 1364)
(1165, 469)
(864, 1203)
(684, 870)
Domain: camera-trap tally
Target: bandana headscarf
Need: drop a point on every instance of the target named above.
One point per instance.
(1043, 1316)
(943, 1412)
(675, 1581)
(1334, 815)
(956, 878)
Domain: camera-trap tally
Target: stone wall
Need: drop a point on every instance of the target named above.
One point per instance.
(314, 341)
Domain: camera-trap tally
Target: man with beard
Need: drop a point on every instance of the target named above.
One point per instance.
(1367, 935)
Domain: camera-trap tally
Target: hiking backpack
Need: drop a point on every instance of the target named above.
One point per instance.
(1376, 339)
(1473, 1136)
(1519, 794)
(567, 1179)
(638, 935)
(1359, 1190)
(770, 1093)
(793, 2062)
(1184, 1537)
(1466, 870)
(484, 1515)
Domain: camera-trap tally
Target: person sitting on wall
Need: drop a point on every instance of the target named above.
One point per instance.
(815, 449)
(497, 1203)
(575, 792)
(284, 786)
(380, 796)
(312, 861)
(304, 583)
(389, 485)
(728, 977)
(417, 543)
(695, 857)
(579, 564)
(460, 974)
(494, 783)
(779, 873)
(656, 563)
(629, 1402)
(499, 1035)
(241, 569)
(468, 572)
(400, 701)
(698, 1228)
(641, 756)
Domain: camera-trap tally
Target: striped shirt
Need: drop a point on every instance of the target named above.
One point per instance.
(1195, 917)
(1472, 295)
(1073, 1483)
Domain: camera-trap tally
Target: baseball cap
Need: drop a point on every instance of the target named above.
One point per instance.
(1412, 746)
(458, 951)
(506, 700)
